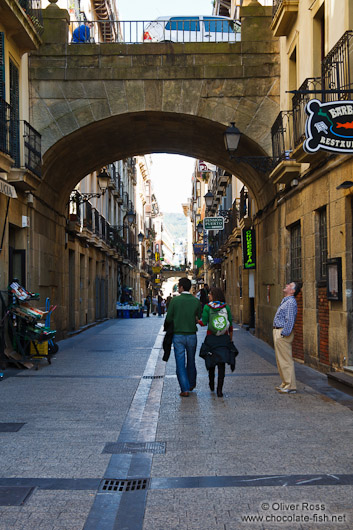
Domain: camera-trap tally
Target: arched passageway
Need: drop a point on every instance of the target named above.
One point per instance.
(115, 138)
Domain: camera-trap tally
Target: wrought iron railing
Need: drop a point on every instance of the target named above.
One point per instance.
(5, 119)
(299, 102)
(33, 10)
(32, 149)
(337, 70)
(87, 216)
(282, 135)
(142, 31)
(275, 6)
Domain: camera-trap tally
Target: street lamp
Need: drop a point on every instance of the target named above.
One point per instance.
(103, 179)
(140, 237)
(149, 252)
(199, 228)
(231, 138)
(208, 199)
(131, 216)
(259, 163)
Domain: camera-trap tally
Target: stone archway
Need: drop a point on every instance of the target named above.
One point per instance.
(97, 144)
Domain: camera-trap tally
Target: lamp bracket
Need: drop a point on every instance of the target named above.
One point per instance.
(265, 164)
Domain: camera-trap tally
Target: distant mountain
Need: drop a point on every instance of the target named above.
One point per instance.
(176, 223)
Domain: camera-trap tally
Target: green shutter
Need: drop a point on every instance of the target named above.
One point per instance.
(15, 114)
(2, 65)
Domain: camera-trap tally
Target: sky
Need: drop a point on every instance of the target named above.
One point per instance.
(171, 177)
(151, 9)
(170, 174)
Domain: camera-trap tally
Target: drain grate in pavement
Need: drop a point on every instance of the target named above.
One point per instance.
(117, 485)
(157, 448)
(11, 427)
(152, 376)
(14, 496)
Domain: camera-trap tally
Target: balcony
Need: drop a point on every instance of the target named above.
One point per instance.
(299, 102)
(20, 150)
(282, 147)
(6, 158)
(23, 19)
(337, 70)
(284, 13)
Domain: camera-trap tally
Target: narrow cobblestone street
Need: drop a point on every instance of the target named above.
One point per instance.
(107, 411)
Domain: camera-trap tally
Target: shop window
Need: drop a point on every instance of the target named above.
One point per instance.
(295, 253)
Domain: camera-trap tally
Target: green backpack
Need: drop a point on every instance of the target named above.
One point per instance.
(218, 322)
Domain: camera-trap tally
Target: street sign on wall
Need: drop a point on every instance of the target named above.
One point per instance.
(213, 223)
(329, 126)
(249, 249)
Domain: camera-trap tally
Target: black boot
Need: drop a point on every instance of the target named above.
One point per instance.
(211, 379)
(220, 381)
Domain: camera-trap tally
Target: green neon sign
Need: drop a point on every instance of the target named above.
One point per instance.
(249, 249)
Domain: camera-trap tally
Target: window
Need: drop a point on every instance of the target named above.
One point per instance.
(295, 254)
(323, 244)
(183, 24)
(215, 25)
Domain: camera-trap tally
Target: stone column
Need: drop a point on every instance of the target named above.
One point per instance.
(55, 22)
(255, 22)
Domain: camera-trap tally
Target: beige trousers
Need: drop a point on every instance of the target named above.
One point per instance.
(284, 359)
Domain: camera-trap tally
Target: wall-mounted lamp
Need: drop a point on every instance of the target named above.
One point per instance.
(131, 216)
(30, 198)
(231, 141)
(208, 199)
(295, 182)
(140, 237)
(199, 228)
(232, 138)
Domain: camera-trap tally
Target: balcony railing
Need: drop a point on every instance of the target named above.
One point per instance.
(299, 102)
(282, 135)
(32, 149)
(337, 69)
(33, 10)
(10, 129)
(142, 31)
(5, 120)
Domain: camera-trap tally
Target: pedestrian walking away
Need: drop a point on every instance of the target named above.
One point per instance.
(204, 295)
(148, 304)
(184, 311)
(218, 348)
(283, 336)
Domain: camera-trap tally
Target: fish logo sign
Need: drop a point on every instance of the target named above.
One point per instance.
(329, 126)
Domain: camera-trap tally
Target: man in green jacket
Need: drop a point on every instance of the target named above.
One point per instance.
(184, 311)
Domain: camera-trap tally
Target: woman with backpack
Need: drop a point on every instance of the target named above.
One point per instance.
(218, 348)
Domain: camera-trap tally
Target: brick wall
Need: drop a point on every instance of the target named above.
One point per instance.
(323, 325)
(298, 347)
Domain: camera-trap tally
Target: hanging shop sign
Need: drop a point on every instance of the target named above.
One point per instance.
(249, 249)
(7, 189)
(156, 270)
(201, 248)
(329, 126)
(213, 223)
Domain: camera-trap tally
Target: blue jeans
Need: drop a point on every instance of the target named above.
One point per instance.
(186, 374)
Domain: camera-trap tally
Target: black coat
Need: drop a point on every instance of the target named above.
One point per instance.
(218, 349)
(168, 339)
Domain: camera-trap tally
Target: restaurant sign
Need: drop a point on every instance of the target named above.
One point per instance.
(7, 189)
(329, 126)
(249, 249)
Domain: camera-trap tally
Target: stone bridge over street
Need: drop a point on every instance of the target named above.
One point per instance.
(97, 103)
